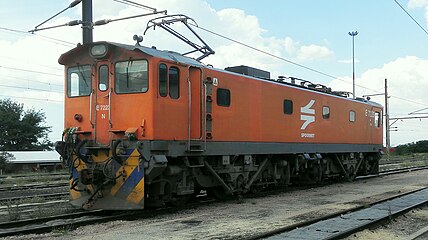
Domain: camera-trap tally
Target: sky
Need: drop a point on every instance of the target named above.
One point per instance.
(311, 38)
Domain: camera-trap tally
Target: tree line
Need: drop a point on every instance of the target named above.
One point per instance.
(415, 147)
(21, 130)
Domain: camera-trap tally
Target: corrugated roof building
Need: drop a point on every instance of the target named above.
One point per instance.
(35, 161)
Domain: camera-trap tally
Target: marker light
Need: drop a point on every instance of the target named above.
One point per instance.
(99, 51)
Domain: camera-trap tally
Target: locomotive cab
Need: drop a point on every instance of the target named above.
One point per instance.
(108, 106)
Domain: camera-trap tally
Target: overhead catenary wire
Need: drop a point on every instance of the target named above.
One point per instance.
(30, 98)
(253, 48)
(32, 89)
(27, 70)
(275, 56)
(414, 20)
(284, 59)
(30, 80)
(26, 61)
(135, 4)
(49, 39)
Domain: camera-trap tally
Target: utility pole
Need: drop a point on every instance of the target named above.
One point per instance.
(353, 34)
(87, 24)
(387, 127)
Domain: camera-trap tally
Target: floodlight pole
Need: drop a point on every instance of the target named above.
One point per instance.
(353, 34)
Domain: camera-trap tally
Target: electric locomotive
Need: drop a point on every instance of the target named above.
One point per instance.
(146, 127)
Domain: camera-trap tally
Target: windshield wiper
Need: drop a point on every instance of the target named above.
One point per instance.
(130, 61)
(80, 68)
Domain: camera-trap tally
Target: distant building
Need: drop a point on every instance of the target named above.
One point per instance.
(37, 161)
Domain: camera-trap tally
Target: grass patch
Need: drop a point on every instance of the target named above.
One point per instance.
(63, 230)
(14, 211)
(42, 212)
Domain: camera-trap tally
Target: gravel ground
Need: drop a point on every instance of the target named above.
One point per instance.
(30, 192)
(234, 220)
(397, 229)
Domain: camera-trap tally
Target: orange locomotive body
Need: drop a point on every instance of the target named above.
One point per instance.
(146, 127)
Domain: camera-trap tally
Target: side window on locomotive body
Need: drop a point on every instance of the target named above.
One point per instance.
(288, 107)
(79, 81)
(325, 112)
(352, 116)
(223, 97)
(131, 76)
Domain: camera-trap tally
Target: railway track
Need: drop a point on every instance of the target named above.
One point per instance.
(346, 222)
(392, 171)
(34, 186)
(47, 224)
(38, 175)
(74, 220)
(45, 197)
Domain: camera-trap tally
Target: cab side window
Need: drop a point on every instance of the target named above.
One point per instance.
(163, 80)
(169, 81)
(377, 119)
(174, 83)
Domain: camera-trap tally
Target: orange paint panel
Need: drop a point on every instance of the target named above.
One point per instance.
(256, 114)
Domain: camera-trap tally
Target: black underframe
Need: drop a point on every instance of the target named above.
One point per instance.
(180, 148)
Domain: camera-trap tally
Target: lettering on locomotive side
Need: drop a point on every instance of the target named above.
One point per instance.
(307, 135)
(370, 113)
(102, 107)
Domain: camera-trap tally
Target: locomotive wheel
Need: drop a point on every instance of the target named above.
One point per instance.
(351, 175)
(218, 193)
(180, 201)
(256, 188)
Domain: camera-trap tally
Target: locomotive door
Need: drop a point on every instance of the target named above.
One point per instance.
(102, 113)
(195, 104)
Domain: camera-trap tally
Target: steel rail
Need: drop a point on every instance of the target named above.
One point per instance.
(281, 230)
(49, 196)
(34, 186)
(74, 220)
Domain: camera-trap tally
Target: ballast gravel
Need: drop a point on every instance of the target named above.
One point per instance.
(237, 220)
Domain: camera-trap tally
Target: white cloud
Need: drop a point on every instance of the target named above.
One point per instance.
(313, 52)
(417, 3)
(412, 4)
(233, 23)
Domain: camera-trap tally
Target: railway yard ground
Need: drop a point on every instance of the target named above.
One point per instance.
(253, 216)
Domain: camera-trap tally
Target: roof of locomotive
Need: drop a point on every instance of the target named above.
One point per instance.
(177, 57)
(272, 81)
(169, 55)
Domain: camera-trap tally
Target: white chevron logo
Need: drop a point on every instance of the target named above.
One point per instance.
(308, 119)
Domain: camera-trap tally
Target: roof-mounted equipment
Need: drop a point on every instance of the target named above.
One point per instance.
(249, 71)
(165, 22)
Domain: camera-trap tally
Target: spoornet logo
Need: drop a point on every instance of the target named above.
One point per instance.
(308, 119)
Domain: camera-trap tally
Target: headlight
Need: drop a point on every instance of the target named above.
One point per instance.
(99, 51)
